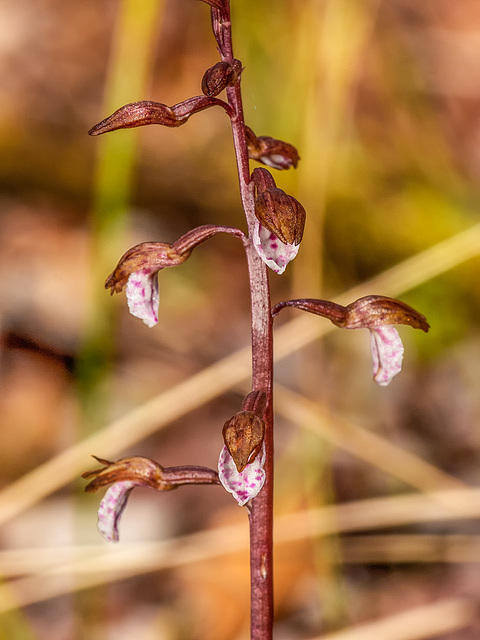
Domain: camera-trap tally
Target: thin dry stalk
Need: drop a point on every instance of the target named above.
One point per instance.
(422, 622)
(83, 569)
(363, 444)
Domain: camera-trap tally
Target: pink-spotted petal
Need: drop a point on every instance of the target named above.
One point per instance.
(111, 508)
(245, 485)
(142, 296)
(271, 250)
(387, 353)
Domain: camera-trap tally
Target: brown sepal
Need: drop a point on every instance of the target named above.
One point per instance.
(374, 311)
(136, 468)
(365, 313)
(281, 214)
(243, 436)
(153, 256)
(150, 256)
(147, 473)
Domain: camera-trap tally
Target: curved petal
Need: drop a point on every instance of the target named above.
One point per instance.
(143, 297)
(387, 353)
(271, 250)
(111, 508)
(245, 485)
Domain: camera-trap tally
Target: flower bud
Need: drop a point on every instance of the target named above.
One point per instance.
(139, 114)
(263, 180)
(221, 75)
(243, 436)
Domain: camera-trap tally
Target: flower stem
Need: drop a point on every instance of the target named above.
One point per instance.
(261, 509)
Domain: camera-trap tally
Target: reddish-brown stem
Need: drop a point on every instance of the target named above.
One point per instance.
(190, 474)
(261, 510)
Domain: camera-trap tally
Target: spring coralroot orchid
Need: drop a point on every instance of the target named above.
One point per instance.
(138, 269)
(240, 467)
(280, 220)
(376, 313)
(275, 222)
(137, 471)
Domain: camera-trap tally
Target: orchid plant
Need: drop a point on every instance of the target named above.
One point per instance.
(274, 229)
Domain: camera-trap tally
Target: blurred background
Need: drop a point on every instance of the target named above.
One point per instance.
(382, 100)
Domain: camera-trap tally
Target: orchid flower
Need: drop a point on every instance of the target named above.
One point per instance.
(137, 270)
(280, 219)
(128, 473)
(377, 314)
(240, 466)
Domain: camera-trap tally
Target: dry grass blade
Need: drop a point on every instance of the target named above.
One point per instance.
(102, 564)
(422, 622)
(223, 375)
(370, 548)
(363, 444)
(411, 548)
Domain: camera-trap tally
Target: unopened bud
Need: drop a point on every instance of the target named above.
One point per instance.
(263, 180)
(221, 75)
(139, 114)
